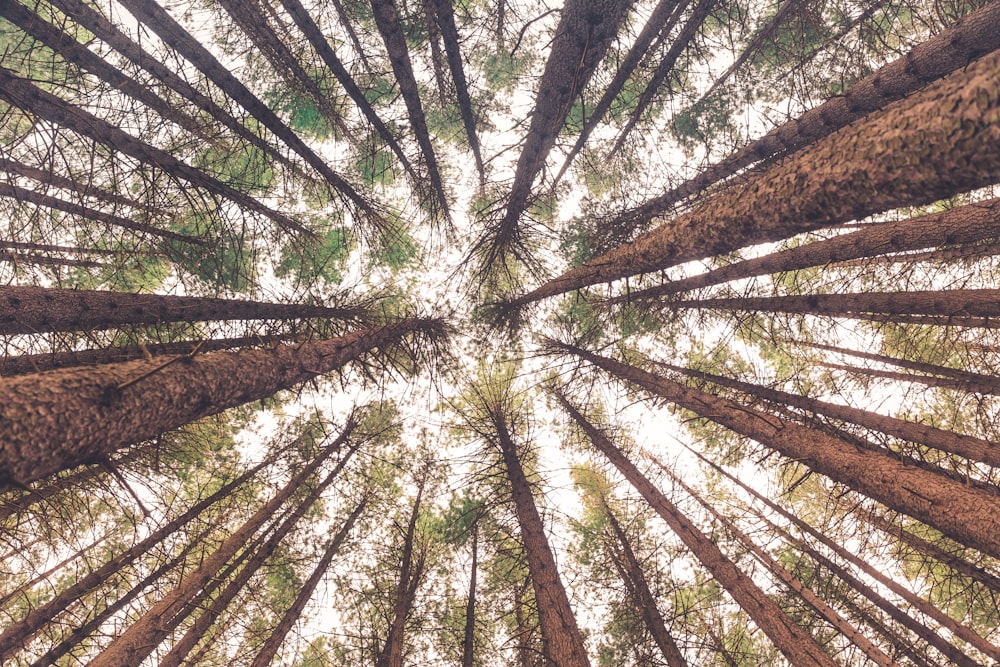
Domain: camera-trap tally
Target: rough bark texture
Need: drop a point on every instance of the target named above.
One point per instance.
(468, 641)
(41, 260)
(561, 638)
(54, 420)
(18, 634)
(25, 95)
(971, 447)
(968, 515)
(951, 49)
(269, 648)
(138, 641)
(963, 224)
(795, 644)
(934, 144)
(29, 310)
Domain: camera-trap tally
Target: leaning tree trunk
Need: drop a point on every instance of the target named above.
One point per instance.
(28, 310)
(951, 49)
(561, 638)
(794, 643)
(269, 648)
(902, 645)
(55, 420)
(468, 641)
(968, 515)
(25, 95)
(16, 258)
(970, 447)
(988, 385)
(963, 224)
(139, 640)
(20, 633)
(643, 596)
(934, 144)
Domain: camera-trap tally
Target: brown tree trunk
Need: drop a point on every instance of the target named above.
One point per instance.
(468, 642)
(16, 258)
(967, 515)
(795, 644)
(561, 638)
(411, 572)
(140, 639)
(55, 420)
(989, 387)
(28, 310)
(642, 595)
(36, 363)
(387, 20)
(934, 144)
(976, 449)
(270, 646)
(25, 588)
(18, 634)
(25, 95)
(919, 656)
(524, 631)
(44, 247)
(963, 224)
(953, 48)
(87, 213)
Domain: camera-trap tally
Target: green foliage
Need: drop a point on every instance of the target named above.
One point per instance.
(239, 165)
(307, 261)
(304, 115)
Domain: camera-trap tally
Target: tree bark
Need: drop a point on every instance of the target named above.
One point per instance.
(795, 644)
(934, 144)
(270, 647)
(951, 49)
(25, 95)
(967, 515)
(140, 639)
(28, 310)
(54, 420)
(963, 224)
(561, 638)
(976, 449)
(468, 642)
(16, 258)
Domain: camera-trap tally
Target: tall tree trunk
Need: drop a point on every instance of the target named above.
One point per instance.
(561, 638)
(524, 631)
(963, 224)
(794, 643)
(387, 20)
(967, 515)
(468, 641)
(990, 386)
(976, 449)
(225, 598)
(20, 633)
(919, 603)
(172, 33)
(270, 647)
(137, 642)
(29, 310)
(54, 420)
(934, 144)
(16, 258)
(919, 656)
(642, 595)
(411, 570)
(25, 588)
(25, 95)
(665, 15)
(45, 247)
(36, 363)
(37, 198)
(951, 49)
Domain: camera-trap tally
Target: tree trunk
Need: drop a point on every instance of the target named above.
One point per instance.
(562, 641)
(795, 644)
(25, 95)
(643, 596)
(55, 420)
(43, 247)
(934, 144)
(16, 258)
(411, 572)
(967, 515)
(922, 605)
(29, 310)
(524, 632)
(976, 449)
(270, 647)
(951, 49)
(963, 224)
(902, 645)
(23, 195)
(665, 15)
(139, 640)
(468, 642)
(20, 633)
(387, 20)
(36, 363)
(46, 576)
(990, 386)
